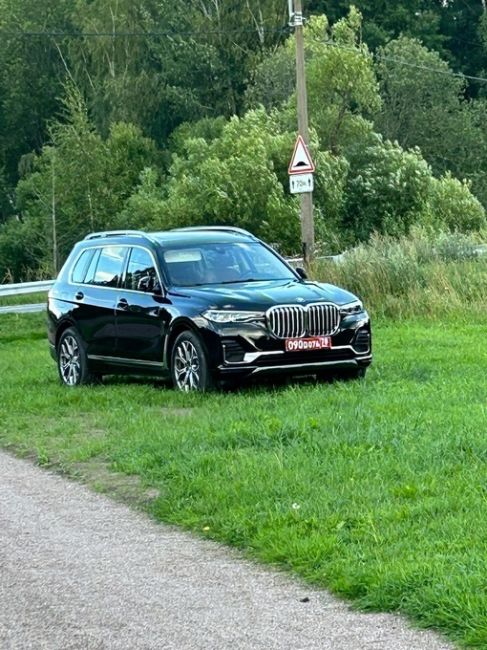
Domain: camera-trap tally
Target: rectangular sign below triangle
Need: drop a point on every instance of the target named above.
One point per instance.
(301, 183)
(301, 162)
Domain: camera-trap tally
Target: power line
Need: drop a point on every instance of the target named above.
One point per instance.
(50, 34)
(382, 57)
(270, 30)
(449, 73)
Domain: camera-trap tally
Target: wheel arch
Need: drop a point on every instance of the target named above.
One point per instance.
(61, 328)
(178, 327)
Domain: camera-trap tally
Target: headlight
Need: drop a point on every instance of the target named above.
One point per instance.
(228, 316)
(355, 307)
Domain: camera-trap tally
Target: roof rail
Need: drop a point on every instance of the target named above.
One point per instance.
(114, 233)
(233, 229)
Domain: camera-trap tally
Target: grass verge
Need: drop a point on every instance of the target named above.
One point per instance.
(24, 299)
(375, 489)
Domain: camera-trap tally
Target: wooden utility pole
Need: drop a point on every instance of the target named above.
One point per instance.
(307, 220)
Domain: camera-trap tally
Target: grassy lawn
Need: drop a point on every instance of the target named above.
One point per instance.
(24, 299)
(375, 489)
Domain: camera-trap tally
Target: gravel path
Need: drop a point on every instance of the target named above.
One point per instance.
(80, 571)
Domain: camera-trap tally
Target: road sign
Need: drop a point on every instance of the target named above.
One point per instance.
(301, 162)
(301, 183)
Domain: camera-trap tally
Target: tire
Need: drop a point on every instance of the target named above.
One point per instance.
(72, 361)
(189, 364)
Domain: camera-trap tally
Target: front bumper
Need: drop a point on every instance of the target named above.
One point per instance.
(294, 368)
(252, 351)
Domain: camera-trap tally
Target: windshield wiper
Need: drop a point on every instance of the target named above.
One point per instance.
(237, 281)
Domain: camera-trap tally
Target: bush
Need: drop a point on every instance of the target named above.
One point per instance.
(452, 205)
(386, 190)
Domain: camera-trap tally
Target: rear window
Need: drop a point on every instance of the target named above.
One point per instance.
(79, 270)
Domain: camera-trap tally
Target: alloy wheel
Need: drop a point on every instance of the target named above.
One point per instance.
(187, 366)
(69, 361)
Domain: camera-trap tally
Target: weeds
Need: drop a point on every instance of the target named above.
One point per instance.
(423, 274)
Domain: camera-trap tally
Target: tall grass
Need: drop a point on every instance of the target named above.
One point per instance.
(425, 273)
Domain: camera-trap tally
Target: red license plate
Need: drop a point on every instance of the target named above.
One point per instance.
(308, 345)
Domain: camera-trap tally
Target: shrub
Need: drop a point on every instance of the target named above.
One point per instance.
(452, 205)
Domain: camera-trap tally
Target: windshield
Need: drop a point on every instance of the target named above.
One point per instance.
(227, 263)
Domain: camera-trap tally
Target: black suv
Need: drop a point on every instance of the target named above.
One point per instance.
(199, 305)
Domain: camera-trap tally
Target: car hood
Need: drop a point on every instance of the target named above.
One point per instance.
(262, 295)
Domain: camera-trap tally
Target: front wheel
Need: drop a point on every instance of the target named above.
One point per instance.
(189, 364)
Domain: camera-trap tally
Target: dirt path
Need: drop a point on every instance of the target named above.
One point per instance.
(80, 571)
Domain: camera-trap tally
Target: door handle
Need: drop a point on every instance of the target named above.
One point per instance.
(80, 295)
(123, 304)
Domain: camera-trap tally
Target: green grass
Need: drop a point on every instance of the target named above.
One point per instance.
(24, 299)
(375, 489)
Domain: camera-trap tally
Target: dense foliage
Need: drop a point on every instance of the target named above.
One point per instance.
(116, 115)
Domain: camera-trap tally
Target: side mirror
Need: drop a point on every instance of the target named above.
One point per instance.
(302, 273)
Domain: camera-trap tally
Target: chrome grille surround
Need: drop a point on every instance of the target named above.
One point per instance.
(295, 321)
(287, 321)
(323, 319)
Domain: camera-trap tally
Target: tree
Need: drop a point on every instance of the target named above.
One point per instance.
(139, 63)
(342, 87)
(387, 189)
(424, 106)
(234, 179)
(22, 252)
(241, 34)
(428, 21)
(422, 99)
(31, 75)
(80, 181)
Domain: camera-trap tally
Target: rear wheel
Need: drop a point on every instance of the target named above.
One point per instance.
(72, 360)
(189, 364)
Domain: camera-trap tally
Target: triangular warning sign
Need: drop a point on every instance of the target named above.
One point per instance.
(301, 162)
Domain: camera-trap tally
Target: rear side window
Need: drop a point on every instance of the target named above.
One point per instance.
(110, 265)
(79, 270)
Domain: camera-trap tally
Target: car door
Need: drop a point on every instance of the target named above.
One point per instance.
(95, 299)
(141, 314)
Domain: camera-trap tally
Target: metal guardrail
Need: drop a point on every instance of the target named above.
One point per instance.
(294, 261)
(23, 309)
(24, 288)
